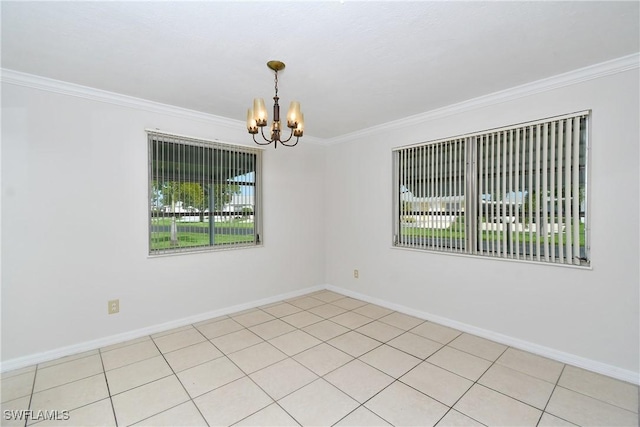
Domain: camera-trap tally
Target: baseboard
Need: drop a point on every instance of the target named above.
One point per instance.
(560, 356)
(21, 362)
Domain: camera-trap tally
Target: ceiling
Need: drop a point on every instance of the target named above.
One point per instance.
(351, 64)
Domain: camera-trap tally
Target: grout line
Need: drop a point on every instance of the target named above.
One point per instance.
(33, 387)
(181, 384)
(106, 380)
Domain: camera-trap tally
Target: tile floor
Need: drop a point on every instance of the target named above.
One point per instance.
(321, 359)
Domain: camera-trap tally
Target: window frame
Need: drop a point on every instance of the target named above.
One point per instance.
(211, 148)
(474, 214)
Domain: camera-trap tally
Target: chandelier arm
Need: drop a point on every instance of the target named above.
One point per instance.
(291, 145)
(290, 136)
(261, 143)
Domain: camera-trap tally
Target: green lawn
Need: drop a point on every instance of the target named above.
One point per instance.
(456, 232)
(223, 233)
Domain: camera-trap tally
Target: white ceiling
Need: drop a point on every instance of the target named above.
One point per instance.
(352, 65)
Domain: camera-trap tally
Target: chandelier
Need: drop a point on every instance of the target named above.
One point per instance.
(257, 117)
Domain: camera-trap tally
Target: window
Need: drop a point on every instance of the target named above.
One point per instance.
(203, 195)
(517, 192)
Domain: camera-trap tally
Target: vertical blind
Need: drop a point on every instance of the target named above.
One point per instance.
(202, 194)
(517, 192)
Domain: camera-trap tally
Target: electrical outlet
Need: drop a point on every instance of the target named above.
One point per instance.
(356, 274)
(114, 306)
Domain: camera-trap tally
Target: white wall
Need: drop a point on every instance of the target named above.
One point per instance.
(592, 314)
(66, 162)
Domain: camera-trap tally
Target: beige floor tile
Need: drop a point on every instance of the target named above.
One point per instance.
(587, 411)
(549, 420)
(354, 343)
(359, 380)
(220, 328)
(598, 386)
(98, 414)
(349, 303)
(325, 330)
(283, 378)
(302, 319)
(236, 341)
(125, 344)
(318, 404)
(351, 320)
(459, 362)
(209, 376)
(380, 331)
(518, 385)
(373, 311)
(72, 395)
(391, 361)
(273, 415)
(531, 364)
(323, 358)
(142, 402)
(402, 321)
(17, 386)
(437, 383)
(306, 303)
(191, 356)
(13, 411)
(253, 318)
(122, 356)
(271, 329)
(362, 417)
(257, 357)
(67, 359)
(454, 418)
(184, 415)
(328, 296)
(327, 310)
(67, 372)
(172, 331)
(415, 345)
(492, 408)
(478, 346)
(401, 405)
(294, 342)
(137, 374)
(233, 402)
(436, 332)
(20, 371)
(282, 309)
(178, 340)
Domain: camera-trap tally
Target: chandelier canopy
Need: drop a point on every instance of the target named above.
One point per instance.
(257, 117)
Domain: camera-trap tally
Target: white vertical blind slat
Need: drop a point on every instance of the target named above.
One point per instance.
(560, 194)
(575, 166)
(568, 192)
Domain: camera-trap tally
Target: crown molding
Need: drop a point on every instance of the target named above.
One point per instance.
(64, 88)
(591, 72)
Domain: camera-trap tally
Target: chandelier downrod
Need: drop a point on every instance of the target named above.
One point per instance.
(257, 117)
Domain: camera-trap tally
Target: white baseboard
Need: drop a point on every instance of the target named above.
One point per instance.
(571, 359)
(21, 362)
(560, 356)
